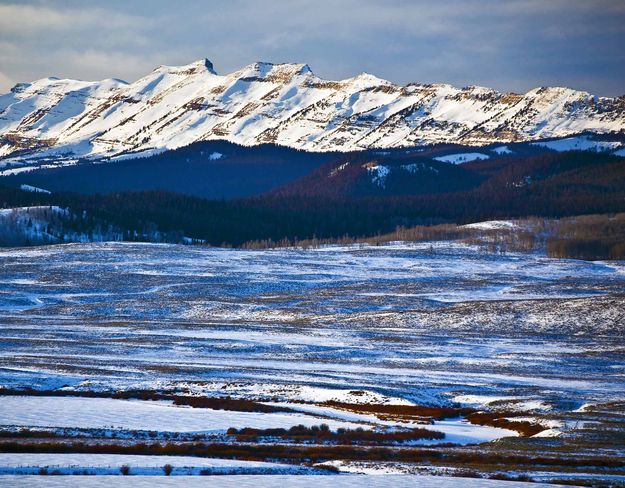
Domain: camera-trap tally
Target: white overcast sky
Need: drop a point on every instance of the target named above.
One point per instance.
(506, 44)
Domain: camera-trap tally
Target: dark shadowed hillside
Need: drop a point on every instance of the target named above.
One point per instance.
(548, 185)
(211, 169)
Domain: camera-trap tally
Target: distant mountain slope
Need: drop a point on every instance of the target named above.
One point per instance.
(284, 104)
(452, 168)
(368, 175)
(221, 169)
(209, 169)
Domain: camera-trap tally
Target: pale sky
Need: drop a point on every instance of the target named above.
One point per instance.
(511, 45)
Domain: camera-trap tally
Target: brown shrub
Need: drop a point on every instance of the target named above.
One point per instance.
(498, 419)
(322, 434)
(405, 411)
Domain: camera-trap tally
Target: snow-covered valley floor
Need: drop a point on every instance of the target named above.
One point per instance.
(319, 331)
(254, 481)
(111, 464)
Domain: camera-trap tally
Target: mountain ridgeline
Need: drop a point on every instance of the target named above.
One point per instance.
(283, 104)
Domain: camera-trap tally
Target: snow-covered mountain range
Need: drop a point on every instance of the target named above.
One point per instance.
(284, 104)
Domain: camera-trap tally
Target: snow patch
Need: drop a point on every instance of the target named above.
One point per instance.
(378, 174)
(501, 150)
(275, 481)
(581, 143)
(492, 225)
(90, 413)
(462, 157)
(417, 167)
(34, 189)
(338, 169)
(110, 464)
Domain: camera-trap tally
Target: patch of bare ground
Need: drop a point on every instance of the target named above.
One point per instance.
(323, 435)
(411, 413)
(505, 420)
(470, 459)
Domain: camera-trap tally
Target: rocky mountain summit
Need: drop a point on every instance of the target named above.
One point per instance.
(283, 104)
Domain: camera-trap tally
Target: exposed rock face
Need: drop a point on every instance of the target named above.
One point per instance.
(284, 104)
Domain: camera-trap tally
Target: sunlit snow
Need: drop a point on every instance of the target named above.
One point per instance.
(462, 158)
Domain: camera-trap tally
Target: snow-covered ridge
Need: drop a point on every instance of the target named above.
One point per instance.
(285, 104)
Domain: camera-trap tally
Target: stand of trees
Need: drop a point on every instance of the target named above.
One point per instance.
(550, 186)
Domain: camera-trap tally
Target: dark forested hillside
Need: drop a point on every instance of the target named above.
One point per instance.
(211, 169)
(553, 185)
(368, 175)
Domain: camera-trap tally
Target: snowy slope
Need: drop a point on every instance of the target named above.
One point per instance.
(462, 157)
(581, 143)
(285, 104)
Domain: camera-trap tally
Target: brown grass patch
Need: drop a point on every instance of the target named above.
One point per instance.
(502, 420)
(322, 434)
(402, 412)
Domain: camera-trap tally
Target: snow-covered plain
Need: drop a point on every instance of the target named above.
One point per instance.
(110, 464)
(253, 481)
(408, 321)
(105, 413)
(427, 323)
(100, 413)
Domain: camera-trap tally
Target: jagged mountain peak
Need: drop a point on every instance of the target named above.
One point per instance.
(277, 71)
(51, 90)
(20, 87)
(285, 104)
(200, 66)
(368, 80)
(557, 91)
(479, 89)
